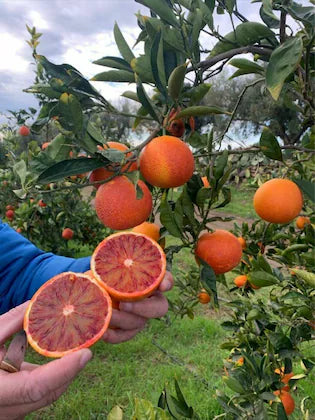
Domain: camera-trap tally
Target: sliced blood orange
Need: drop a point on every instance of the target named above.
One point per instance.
(69, 312)
(130, 265)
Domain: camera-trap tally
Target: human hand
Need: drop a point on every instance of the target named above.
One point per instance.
(34, 386)
(132, 317)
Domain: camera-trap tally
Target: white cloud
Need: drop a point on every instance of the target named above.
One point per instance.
(10, 48)
(36, 19)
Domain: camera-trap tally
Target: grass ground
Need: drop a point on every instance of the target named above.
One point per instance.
(192, 354)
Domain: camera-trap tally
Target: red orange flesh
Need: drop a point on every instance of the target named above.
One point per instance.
(129, 265)
(69, 312)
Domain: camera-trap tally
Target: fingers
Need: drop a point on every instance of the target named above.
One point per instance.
(37, 385)
(119, 336)
(20, 410)
(167, 283)
(12, 322)
(154, 306)
(127, 321)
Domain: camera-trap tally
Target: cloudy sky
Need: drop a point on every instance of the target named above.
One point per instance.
(75, 32)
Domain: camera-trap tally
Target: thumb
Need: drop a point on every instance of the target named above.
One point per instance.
(41, 384)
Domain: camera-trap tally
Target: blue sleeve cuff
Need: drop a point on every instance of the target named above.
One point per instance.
(24, 267)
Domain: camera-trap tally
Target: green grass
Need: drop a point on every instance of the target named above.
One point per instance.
(241, 203)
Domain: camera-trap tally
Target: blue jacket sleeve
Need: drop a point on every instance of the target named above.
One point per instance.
(24, 268)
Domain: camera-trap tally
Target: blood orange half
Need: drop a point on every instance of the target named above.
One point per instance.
(129, 265)
(69, 312)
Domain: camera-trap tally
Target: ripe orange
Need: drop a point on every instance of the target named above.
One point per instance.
(204, 298)
(240, 281)
(205, 182)
(301, 221)
(41, 203)
(101, 174)
(242, 242)
(10, 214)
(67, 234)
(19, 230)
(278, 201)
(287, 401)
(117, 206)
(24, 131)
(9, 207)
(150, 229)
(69, 312)
(240, 361)
(167, 162)
(220, 249)
(45, 145)
(129, 265)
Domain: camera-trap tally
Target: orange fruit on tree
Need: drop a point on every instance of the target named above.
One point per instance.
(287, 401)
(130, 265)
(24, 131)
(240, 281)
(166, 162)
(204, 298)
(240, 361)
(117, 206)
(220, 249)
(10, 214)
(45, 145)
(278, 201)
(67, 234)
(101, 174)
(150, 229)
(41, 203)
(69, 312)
(242, 242)
(9, 207)
(301, 221)
(205, 182)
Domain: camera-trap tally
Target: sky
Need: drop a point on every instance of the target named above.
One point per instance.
(76, 32)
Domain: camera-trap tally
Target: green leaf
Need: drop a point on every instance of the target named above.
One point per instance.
(143, 410)
(58, 149)
(302, 13)
(69, 167)
(114, 76)
(233, 384)
(159, 7)
(167, 218)
(71, 111)
(269, 145)
(283, 62)
(142, 112)
(306, 276)
(246, 66)
(262, 279)
(114, 62)
(21, 171)
(220, 164)
(95, 133)
(188, 207)
(196, 94)
(129, 94)
(247, 33)
(263, 264)
(227, 197)
(209, 280)
(197, 25)
(145, 100)
(115, 413)
(203, 195)
(267, 15)
(200, 110)
(157, 63)
(176, 81)
(142, 67)
(308, 187)
(122, 45)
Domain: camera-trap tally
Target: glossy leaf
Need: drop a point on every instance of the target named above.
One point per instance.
(167, 218)
(247, 33)
(142, 66)
(115, 413)
(283, 62)
(176, 81)
(71, 111)
(196, 94)
(262, 279)
(114, 62)
(69, 167)
(208, 280)
(245, 66)
(308, 187)
(200, 110)
(122, 45)
(159, 7)
(157, 63)
(130, 95)
(267, 15)
(145, 100)
(269, 145)
(114, 76)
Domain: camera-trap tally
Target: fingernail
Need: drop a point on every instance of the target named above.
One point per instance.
(126, 306)
(85, 357)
